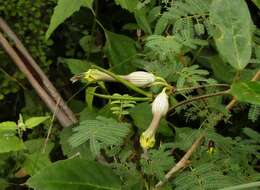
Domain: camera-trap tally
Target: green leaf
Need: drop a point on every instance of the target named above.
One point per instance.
(156, 162)
(76, 174)
(129, 5)
(142, 116)
(90, 96)
(257, 3)
(10, 143)
(8, 126)
(120, 50)
(142, 21)
(233, 36)
(248, 92)
(35, 121)
(36, 146)
(77, 66)
(101, 131)
(83, 151)
(35, 162)
(64, 10)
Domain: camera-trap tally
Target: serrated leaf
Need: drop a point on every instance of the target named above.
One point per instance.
(8, 126)
(233, 36)
(63, 10)
(76, 174)
(248, 92)
(10, 143)
(105, 131)
(77, 66)
(120, 50)
(35, 121)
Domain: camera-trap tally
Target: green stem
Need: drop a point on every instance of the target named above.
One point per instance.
(221, 93)
(120, 97)
(243, 186)
(123, 81)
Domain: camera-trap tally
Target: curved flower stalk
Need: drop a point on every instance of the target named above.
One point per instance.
(93, 75)
(160, 107)
(140, 78)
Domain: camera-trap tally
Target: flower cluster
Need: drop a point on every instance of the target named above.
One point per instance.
(144, 79)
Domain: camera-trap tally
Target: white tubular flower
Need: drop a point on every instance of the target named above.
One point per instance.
(93, 75)
(140, 78)
(160, 107)
(160, 104)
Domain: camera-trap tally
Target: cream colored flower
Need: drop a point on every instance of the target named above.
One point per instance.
(160, 107)
(140, 78)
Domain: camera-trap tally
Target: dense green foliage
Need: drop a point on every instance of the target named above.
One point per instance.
(196, 56)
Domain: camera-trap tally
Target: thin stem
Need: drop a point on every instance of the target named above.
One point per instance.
(202, 86)
(50, 128)
(120, 97)
(199, 98)
(123, 81)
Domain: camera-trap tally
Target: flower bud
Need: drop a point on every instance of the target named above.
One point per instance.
(160, 104)
(140, 78)
(93, 75)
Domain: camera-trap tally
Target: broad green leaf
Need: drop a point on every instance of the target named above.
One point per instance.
(87, 44)
(120, 50)
(8, 126)
(129, 5)
(63, 10)
(35, 121)
(37, 145)
(101, 131)
(75, 174)
(142, 116)
(257, 3)
(76, 66)
(35, 162)
(248, 92)
(10, 143)
(233, 36)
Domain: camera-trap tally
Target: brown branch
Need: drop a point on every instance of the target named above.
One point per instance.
(48, 86)
(61, 116)
(233, 102)
(183, 163)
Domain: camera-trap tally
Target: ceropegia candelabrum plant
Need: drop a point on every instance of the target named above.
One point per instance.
(169, 86)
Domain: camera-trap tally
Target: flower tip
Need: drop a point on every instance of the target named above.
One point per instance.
(147, 142)
(77, 77)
